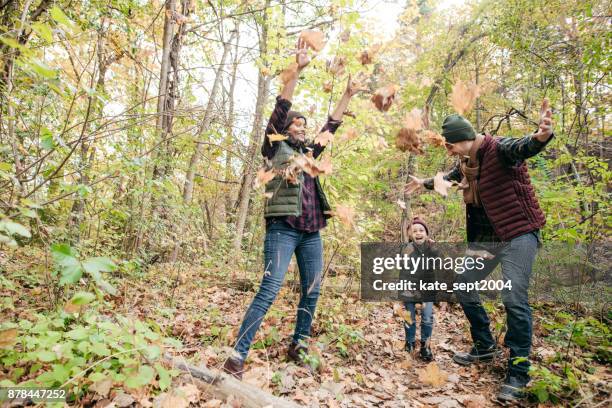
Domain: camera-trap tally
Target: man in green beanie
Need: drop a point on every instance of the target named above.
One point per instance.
(501, 208)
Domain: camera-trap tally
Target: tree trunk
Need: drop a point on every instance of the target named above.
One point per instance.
(263, 85)
(164, 79)
(230, 133)
(205, 124)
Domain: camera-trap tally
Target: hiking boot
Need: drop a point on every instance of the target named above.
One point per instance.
(477, 356)
(296, 352)
(409, 346)
(234, 366)
(425, 353)
(513, 388)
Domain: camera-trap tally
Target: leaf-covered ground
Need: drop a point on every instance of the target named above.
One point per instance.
(357, 357)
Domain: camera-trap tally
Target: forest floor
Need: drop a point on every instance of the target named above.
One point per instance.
(357, 356)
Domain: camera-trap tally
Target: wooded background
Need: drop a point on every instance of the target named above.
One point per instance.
(130, 131)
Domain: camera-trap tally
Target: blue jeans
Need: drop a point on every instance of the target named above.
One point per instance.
(516, 263)
(280, 244)
(427, 321)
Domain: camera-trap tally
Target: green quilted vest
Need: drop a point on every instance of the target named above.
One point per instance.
(286, 198)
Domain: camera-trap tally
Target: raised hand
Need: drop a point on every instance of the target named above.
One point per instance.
(413, 185)
(301, 56)
(356, 84)
(545, 128)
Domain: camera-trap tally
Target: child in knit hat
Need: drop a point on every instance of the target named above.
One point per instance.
(418, 235)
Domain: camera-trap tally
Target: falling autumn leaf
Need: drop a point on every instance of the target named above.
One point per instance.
(314, 39)
(350, 114)
(289, 73)
(324, 138)
(349, 134)
(441, 185)
(328, 87)
(345, 214)
(337, 65)
(265, 71)
(383, 97)
(276, 137)
(382, 143)
(408, 140)
(402, 204)
(367, 56)
(325, 166)
(434, 138)
(463, 96)
(413, 119)
(432, 375)
(263, 177)
(345, 36)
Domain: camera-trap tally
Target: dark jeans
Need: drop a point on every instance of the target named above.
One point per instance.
(280, 244)
(516, 260)
(426, 321)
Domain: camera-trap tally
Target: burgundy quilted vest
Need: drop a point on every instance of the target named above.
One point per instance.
(507, 195)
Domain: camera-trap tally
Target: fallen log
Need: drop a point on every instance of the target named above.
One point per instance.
(224, 385)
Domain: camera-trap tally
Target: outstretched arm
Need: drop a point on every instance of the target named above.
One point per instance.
(353, 87)
(514, 151)
(302, 60)
(416, 183)
(283, 103)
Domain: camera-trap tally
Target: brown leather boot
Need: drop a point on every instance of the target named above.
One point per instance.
(296, 351)
(234, 367)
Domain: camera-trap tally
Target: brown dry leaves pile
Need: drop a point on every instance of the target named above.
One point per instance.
(463, 96)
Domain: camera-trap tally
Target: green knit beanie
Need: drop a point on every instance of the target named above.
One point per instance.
(456, 128)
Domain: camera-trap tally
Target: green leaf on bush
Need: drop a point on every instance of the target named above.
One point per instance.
(82, 298)
(46, 356)
(14, 229)
(66, 259)
(144, 376)
(79, 333)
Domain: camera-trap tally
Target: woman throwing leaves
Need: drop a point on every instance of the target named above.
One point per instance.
(295, 211)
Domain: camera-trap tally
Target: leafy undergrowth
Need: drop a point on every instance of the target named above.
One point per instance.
(108, 349)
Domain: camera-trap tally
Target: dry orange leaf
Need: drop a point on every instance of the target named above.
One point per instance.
(350, 134)
(383, 97)
(314, 39)
(265, 71)
(345, 214)
(408, 140)
(337, 66)
(402, 205)
(434, 138)
(432, 375)
(441, 185)
(276, 137)
(325, 165)
(263, 177)
(324, 138)
(413, 119)
(367, 56)
(463, 96)
(289, 73)
(327, 87)
(345, 36)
